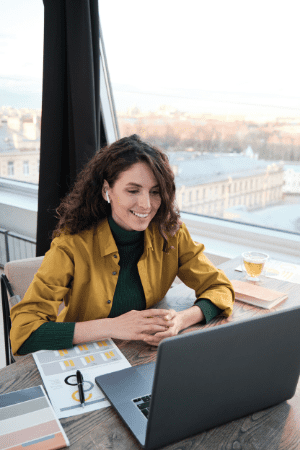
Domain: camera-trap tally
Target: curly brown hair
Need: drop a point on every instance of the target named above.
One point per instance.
(84, 207)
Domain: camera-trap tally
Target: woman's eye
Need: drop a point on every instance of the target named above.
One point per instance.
(136, 192)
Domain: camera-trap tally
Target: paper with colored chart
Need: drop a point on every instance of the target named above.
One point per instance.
(280, 270)
(58, 367)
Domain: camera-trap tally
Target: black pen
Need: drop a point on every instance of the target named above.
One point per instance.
(80, 388)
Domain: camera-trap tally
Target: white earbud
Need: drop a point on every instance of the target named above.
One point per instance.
(108, 201)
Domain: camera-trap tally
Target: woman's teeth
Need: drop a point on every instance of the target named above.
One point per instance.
(143, 216)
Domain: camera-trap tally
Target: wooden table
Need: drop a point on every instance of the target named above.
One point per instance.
(275, 428)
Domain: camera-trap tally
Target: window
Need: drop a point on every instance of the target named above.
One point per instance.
(233, 126)
(21, 47)
(10, 169)
(26, 168)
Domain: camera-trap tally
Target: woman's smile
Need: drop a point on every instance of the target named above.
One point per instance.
(142, 216)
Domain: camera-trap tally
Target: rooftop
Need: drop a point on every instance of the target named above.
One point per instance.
(195, 168)
(282, 217)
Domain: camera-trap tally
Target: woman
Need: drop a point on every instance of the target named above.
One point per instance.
(117, 248)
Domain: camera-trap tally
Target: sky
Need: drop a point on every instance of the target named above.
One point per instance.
(194, 54)
(214, 52)
(238, 46)
(21, 51)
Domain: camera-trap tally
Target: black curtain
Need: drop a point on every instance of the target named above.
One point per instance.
(70, 131)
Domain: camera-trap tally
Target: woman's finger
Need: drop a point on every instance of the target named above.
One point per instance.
(160, 321)
(152, 341)
(156, 338)
(155, 329)
(172, 313)
(156, 312)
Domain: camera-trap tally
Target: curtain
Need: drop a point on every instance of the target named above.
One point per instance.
(70, 129)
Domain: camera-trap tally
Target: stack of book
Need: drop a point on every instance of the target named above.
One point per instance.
(257, 295)
(27, 420)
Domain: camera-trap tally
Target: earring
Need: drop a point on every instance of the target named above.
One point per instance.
(108, 201)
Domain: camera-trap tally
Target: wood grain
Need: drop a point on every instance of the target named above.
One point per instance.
(276, 428)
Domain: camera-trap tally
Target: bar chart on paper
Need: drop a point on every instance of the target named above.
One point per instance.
(58, 369)
(77, 358)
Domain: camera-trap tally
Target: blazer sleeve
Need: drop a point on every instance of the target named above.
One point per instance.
(198, 273)
(44, 295)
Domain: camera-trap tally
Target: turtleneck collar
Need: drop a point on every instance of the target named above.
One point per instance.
(122, 236)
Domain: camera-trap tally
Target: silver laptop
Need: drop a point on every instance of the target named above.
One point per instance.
(208, 377)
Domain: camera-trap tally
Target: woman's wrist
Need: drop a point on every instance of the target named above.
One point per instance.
(190, 317)
(92, 330)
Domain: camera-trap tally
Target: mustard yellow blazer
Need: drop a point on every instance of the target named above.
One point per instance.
(82, 270)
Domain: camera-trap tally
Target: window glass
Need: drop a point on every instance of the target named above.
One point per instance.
(21, 49)
(10, 168)
(26, 168)
(215, 84)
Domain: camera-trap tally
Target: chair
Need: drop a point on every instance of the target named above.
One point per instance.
(14, 283)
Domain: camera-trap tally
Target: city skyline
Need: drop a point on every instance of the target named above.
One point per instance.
(252, 107)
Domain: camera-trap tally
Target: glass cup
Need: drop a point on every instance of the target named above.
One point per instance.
(253, 264)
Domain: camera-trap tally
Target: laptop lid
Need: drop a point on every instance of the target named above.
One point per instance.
(209, 377)
(212, 376)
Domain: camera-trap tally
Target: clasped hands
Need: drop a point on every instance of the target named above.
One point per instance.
(150, 326)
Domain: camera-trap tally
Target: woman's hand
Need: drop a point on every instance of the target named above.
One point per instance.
(181, 320)
(139, 325)
(173, 330)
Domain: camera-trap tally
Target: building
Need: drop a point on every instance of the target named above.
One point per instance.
(20, 147)
(291, 179)
(211, 183)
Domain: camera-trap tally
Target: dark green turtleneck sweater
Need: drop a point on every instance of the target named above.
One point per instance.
(129, 294)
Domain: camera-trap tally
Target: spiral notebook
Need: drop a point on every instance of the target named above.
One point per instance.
(28, 421)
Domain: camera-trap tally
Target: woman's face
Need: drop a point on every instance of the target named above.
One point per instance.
(135, 197)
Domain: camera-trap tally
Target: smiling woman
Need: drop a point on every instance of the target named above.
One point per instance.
(105, 188)
(117, 249)
(134, 204)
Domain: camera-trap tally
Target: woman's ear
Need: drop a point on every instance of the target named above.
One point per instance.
(105, 191)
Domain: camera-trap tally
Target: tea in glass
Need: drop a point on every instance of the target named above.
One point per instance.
(254, 263)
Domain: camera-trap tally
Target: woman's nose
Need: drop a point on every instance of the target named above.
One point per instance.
(144, 201)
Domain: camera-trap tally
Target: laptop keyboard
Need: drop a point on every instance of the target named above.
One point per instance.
(143, 404)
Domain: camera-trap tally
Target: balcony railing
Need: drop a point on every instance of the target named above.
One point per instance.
(15, 246)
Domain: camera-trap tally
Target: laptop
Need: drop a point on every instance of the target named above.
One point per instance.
(208, 377)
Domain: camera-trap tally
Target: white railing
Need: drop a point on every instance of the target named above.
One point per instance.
(15, 246)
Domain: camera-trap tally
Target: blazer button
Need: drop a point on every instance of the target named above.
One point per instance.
(108, 301)
(114, 273)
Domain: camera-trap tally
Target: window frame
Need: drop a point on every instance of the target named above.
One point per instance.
(108, 112)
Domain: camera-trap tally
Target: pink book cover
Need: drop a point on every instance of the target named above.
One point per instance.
(249, 291)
